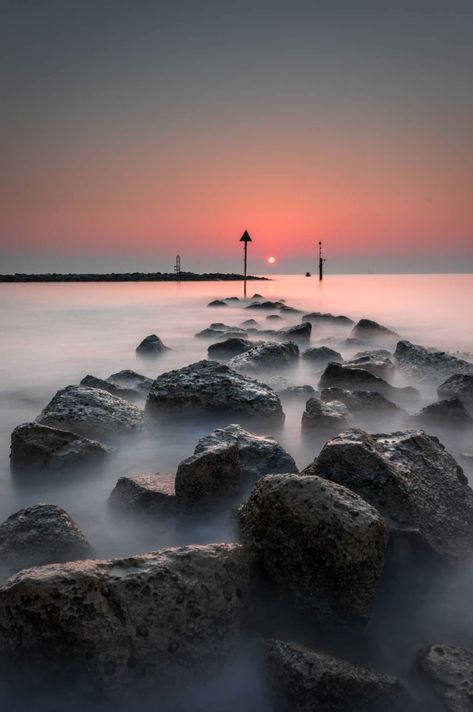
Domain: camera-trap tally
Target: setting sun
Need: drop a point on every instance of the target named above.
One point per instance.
(271, 260)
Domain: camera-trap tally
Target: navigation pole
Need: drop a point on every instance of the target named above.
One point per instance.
(321, 263)
(245, 238)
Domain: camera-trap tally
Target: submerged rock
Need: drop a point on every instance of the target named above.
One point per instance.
(458, 386)
(296, 392)
(265, 305)
(249, 322)
(145, 494)
(111, 623)
(151, 346)
(228, 348)
(445, 413)
(39, 447)
(412, 480)
(91, 411)
(266, 355)
(217, 303)
(212, 387)
(302, 680)
(341, 376)
(449, 668)
(321, 355)
(429, 364)
(320, 545)
(40, 534)
(217, 333)
(299, 332)
(94, 382)
(131, 381)
(290, 310)
(274, 317)
(367, 329)
(333, 416)
(321, 318)
(368, 402)
(210, 475)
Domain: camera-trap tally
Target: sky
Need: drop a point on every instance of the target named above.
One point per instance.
(134, 130)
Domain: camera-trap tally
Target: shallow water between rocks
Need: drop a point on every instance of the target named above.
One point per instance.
(55, 334)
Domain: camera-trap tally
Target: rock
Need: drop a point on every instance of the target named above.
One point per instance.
(449, 668)
(368, 402)
(228, 348)
(39, 447)
(299, 332)
(257, 296)
(320, 545)
(217, 303)
(321, 355)
(375, 362)
(302, 680)
(467, 457)
(249, 322)
(144, 494)
(290, 310)
(341, 376)
(41, 534)
(459, 386)
(266, 355)
(90, 411)
(446, 413)
(265, 305)
(212, 387)
(368, 329)
(230, 333)
(126, 621)
(94, 382)
(131, 381)
(295, 392)
(429, 364)
(210, 475)
(259, 454)
(333, 416)
(274, 317)
(320, 318)
(412, 480)
(151, 346)
(232, 299)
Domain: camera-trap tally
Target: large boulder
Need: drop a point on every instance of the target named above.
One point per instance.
(449, 669)
(258, 454)
(365, 402)
(429, 364)
(40, 447)
(266, 355)
(131, 381)
(318, 544)
(145, 494)
(302, 680)
(149, 617)
(228, 348)
(376, 362)
(91, 411)
(40, 534)
(209, 476)
(321, 355)
(369, 329)
(412, 480)
(212, 387)
(298, 332)
(458, 386)
(151, 346)
(320, 318)
(341, 376)
(450, 413)
(327, 417)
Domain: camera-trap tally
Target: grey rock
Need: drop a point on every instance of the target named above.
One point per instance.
(228, 348)
(321, 355)
(290, 310)
(265, 305)
(341, 376)
(131, 381)
(94, 382)
(39, 447)
(212, 387)
(112, 623)
(302, 680)
(459, 386)
(412, 480)
(151, 346)
(375, 362)
(429, 364)
(320, 545)
(296, 392)
(449, 669)
(320, 318)
(229, 333)
(210, 475)
(249, 322)
(299, 332)
(445, 413)
(368, 402)
(266, 355)
(274, 317)
(333, 416)
(40, 534)
(145, 494)
(217, 303)
(367, 329)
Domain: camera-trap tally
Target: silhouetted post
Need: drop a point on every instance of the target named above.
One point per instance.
(177, 266)
(245, 238)
(321, 263)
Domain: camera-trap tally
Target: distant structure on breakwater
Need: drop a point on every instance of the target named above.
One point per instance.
(131, 277)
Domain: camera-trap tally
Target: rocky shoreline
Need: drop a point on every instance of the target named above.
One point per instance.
(131, 277)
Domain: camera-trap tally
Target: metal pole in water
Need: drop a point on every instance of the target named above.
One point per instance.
(245, 238)
(321, 263)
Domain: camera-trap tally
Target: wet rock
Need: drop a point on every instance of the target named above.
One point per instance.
(320, 545)
(210, 475)
(151, 346)
(368, 402)
(321, 355)
(90, 411)
(376, 362)
(265, 305)
(299, 332)
(94, 382)
(41, 534)
(368, 329)
(445, 413)
(429, 364)
(296, 392)
(258, 454)
(302, 680)
(341, 376)
(333, 416)
(112, 623)
(131, 381)
(212, 387)
(266, 355)
(217, 303)
(458, 386)
(412, 480)
(228, 348)
(145, 494)
(449, 669)
(330, 319)
(39, 447)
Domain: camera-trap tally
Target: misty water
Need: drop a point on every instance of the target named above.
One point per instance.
(55, 334)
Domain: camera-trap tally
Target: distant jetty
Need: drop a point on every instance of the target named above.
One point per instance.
(129, 277)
